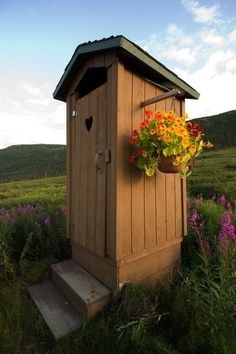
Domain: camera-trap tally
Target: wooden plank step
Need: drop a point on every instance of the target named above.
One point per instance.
(85, 292)
(60, 315)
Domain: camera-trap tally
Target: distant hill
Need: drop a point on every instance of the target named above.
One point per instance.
(19, 162)
(220, 129)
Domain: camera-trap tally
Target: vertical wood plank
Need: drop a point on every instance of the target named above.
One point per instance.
(138, 213)
(170, 190)
(150, 183)
(91, 142)
(101, 206)
(74, 190)
(178, 195)
(161, 217)
(170, 205)
(123, 168)
(111, 194)
(82, 180)
(68, 166)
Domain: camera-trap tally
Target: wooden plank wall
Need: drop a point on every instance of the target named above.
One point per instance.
(86, 186)
(149, 209)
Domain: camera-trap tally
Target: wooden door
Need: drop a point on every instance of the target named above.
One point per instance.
(89, 176)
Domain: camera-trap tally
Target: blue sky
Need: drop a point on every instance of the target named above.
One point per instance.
(194, 38)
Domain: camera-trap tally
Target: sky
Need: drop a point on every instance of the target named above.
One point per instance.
(194, 38)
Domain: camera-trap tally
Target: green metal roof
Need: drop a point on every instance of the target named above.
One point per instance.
(133, 55)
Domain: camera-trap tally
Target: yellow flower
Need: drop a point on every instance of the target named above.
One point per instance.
(152, 132)
(166, 138)
(178, 131)
(162, 129)
(178, 120)
(192, 149)
(171, 129)
(185, 142)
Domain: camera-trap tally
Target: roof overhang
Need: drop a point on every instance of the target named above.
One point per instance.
(130, 53)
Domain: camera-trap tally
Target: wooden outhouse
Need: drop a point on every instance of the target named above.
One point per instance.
(123, 225)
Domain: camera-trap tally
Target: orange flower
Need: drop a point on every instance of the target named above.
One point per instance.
(162, 129)
(144, 123)
(148, 114)
(152, 132)
(158, 115)
(166, 138)
(178, 120)
(171, 129)
(185, 142)
(192, 149)
(178, 131)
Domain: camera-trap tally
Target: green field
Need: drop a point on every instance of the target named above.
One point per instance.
(214, 172)
(193, 312)
(47, 190)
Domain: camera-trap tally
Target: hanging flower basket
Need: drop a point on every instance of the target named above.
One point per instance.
(168, 142)
(167, 164)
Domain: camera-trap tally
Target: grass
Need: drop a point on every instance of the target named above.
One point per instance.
(214, 173)
(46, 190)
(191, 312)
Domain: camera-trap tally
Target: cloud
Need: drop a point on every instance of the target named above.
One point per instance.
(32, 116)
(205, 58)
(203, 14)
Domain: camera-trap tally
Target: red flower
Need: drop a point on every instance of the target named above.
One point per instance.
(144, 123)
(158, 115)
(132, 141)
(135, 132)
(148, 114)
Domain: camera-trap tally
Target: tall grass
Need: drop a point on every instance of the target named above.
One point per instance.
(192, 311)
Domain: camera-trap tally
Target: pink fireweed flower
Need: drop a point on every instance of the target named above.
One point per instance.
(47, 221)
(227, 233)
(222, 200)
(196, 224)
(8, 218)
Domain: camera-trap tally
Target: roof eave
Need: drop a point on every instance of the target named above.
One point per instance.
(137, 53)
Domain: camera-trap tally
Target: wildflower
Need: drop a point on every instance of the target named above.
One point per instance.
(227, 232)
(222, 200)
(47, 221)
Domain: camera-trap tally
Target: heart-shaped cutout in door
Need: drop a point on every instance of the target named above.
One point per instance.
(89, 123)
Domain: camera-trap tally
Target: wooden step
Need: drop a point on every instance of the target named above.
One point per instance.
(60, 315)
(86, 293)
